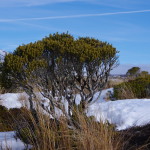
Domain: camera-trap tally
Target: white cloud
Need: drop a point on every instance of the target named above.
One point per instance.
(74, 16)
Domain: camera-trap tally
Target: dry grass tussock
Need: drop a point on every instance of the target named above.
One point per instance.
(49, 134)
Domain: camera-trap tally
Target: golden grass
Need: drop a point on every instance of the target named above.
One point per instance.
(49, 134)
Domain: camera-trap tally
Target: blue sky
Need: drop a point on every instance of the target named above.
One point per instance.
(24, 21)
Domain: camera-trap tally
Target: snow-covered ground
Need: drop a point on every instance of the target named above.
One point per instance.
(8, 141)
(122, 113)
(10, 100)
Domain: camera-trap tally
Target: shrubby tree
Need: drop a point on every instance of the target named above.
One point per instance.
(133, 72)
(136, 72)
(61, 67)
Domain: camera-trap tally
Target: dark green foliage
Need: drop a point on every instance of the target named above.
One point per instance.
(133, 72)
(59, 47)
(136, 72)
(140, 87)
(56, 66)
(5, 79)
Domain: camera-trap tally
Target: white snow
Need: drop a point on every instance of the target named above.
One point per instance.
(122, 113)
(8, 141)
(101, 98)
(11, 100)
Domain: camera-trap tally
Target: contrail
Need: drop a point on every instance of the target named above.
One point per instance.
(74, 16)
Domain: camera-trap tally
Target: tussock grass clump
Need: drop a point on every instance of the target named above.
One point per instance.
(50, 134)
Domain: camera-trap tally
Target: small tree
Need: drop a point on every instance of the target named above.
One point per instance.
(133, 72)
(62, 67)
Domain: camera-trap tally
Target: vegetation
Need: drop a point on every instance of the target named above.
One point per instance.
(137, 88)
(136, 72)
(9, 118)
(144, 73)
(137, 138)
(5, 124)
(60, 66)
(51, 134)
(133, 72)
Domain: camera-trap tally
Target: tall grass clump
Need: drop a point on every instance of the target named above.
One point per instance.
(49, 134)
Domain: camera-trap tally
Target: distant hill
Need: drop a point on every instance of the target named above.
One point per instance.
(2, 55)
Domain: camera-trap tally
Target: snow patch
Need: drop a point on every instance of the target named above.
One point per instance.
(122, 113)
(11, 100)
(8, 141)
